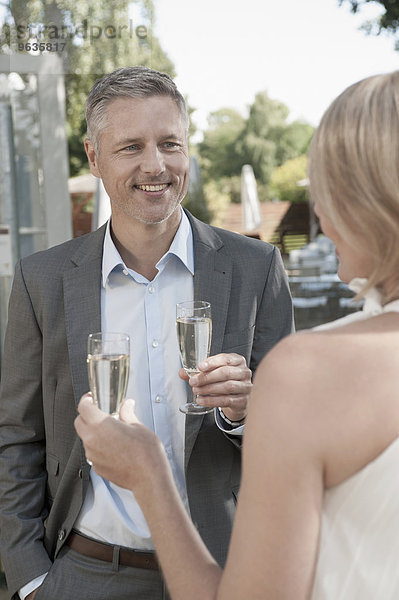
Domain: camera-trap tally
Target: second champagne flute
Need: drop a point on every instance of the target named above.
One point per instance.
(194, 334)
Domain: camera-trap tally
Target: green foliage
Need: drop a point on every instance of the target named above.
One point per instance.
(266, 121)
(196, 202)
(264, 140)
(267, 117)
(191, 126)
(294, 140)
(388, 21)
(260, 153)
(218, 200)
(230, 186)
(218, 150)
(197, 205)
(284, 180)
(264, 193)
(269, 140)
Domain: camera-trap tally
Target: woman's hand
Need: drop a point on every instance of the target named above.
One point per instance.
(125, 451)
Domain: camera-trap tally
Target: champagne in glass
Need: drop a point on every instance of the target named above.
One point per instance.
(194, 334)
(108, 365)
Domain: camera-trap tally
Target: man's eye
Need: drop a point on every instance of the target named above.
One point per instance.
(171, 144)
(132, 147)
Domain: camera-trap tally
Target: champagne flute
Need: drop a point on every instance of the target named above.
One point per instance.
(194, 334)
(108, 365)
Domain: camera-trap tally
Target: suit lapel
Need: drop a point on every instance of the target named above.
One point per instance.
(212, 282)
(82, 298)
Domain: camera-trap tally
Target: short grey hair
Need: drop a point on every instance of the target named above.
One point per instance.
(128, 82)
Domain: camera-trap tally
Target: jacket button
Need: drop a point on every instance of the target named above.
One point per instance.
(80, 473)
(61, 534)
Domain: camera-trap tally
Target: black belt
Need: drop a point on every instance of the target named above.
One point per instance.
(102, 551)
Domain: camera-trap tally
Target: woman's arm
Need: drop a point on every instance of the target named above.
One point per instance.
(274, 542)
(133, 457)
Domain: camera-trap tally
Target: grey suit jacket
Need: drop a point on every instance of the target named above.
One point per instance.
(54, 305)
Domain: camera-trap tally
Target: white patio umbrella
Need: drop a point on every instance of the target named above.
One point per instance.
(251, 216)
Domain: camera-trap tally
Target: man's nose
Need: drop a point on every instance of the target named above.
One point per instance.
(152, 161)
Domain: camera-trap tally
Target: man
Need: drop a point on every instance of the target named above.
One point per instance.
(65, 532)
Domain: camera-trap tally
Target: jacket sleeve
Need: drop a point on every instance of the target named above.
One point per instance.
(275, 317)
(22, 444)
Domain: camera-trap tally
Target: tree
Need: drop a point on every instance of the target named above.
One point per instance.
(388, 21)
(218, 150)
(264, 127)
(264, 140)
(284, 180)
(269, 140)
(294, 140)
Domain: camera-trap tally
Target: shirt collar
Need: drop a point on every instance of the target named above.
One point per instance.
(182, 247)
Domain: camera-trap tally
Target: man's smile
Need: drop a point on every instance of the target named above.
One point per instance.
(152, 187)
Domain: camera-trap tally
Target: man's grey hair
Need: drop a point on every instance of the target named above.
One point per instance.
(129, 82)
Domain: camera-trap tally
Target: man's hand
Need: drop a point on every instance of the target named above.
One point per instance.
(32, 594)
(224, 381)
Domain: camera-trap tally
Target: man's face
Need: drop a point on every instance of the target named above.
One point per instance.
(142, 158)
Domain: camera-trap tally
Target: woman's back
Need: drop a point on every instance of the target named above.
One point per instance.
(358, 368)
(359, 540)
(359, 544)
(326, 408)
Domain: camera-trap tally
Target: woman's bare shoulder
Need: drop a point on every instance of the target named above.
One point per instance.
(325, 353)
(318, 387)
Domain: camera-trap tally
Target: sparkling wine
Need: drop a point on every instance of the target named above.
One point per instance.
(194, 335)
(108, 376)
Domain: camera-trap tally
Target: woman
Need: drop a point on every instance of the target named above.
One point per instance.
(317, 515)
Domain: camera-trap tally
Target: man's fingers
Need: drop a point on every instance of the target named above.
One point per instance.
(220, 360)
(222, 374)
(234, 402)
(231, 387)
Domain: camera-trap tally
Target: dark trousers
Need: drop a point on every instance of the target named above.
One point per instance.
(74, 576)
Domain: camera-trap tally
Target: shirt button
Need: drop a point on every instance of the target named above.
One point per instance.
(151, 289)
(158, 398)
(155, 343)
(125, 272)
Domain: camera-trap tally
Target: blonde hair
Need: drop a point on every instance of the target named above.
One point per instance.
(354, 173)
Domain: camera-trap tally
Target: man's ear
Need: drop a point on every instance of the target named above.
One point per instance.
(92, 158)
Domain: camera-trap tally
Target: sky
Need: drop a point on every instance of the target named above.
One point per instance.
(302, 52)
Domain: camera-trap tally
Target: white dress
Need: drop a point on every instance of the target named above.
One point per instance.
(359, 542)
